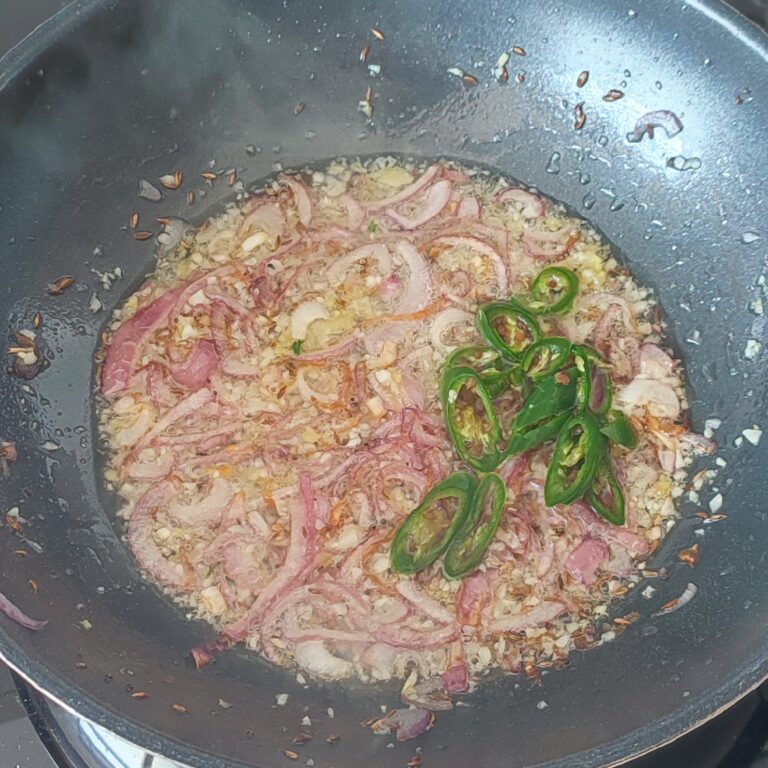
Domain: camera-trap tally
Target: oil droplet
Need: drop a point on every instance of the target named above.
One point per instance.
(553, 166)
(658, 84)
(675, 35)
(584, 177)
(707, 61)
(602, 141)
(680, 163)
(749, 237)
(588, 201)
(632, 13)
(616, 204)
(627, 73)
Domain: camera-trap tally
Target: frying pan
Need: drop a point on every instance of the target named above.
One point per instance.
(110, 92)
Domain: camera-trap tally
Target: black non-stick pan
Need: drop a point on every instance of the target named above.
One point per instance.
(110, 92)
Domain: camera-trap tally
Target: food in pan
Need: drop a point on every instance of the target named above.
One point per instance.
(394, 420)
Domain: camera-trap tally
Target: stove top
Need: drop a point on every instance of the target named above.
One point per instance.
(37, 733)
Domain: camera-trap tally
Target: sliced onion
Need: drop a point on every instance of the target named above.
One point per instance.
(655, 362)
(146, 552)
(446, 320)
(298, 560)
(544, 612)
(236, 368)
(456, 678)
(300, 197)
(195, 371)
(265, 216)
(660, 118)
(543, 244)
(479, 246)
(357, 215)
(15, 613)
(584, 561)
(415, 595)
(438, 196)
(660, 399)
(343, 347)
(474, 595)
(428, 693)
(406, 723)
(634, 544)
(156, 469)
(673, 605)
(407, 193)
(188, 405)
(313, 656)
(377, 252)
(204, 654)
(400, 636)
(531, 206)
(337, 379)
(125, 348)
(469, 208)
(206, 512)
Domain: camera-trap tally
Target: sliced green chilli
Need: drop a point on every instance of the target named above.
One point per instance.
(545, 410)
(619, 430)
(553, 291)
(469, 545)
(470, 418)
(546, 356)
(578, 451)
(496, 373)
(507, 327)
(606, 495)
(427, 531)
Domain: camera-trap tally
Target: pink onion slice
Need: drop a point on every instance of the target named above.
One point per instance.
(469, 208)
(407, 193)
(474, 595)
(190, 404)
(406, 723)
(125, 348)
(15, 613)
(377, 252)
(438, 196)
(407, 637)
(146, 552)
(415, 595)
(584, 561)
(531, 206)
(456, 678)
(659, 118)
(481, 247)
(301, 198)
(299, 559)
(199, 365)
(206, 512)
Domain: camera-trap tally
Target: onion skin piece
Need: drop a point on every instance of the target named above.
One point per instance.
(407, 723)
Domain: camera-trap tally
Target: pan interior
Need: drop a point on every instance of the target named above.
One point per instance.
(112, 92)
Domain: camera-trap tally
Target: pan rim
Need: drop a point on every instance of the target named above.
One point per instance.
(694, 714)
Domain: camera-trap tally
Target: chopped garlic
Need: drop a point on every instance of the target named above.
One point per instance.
(753, 435)
(716, 503)
(752, 349)
(254, 241)
(212, 600)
